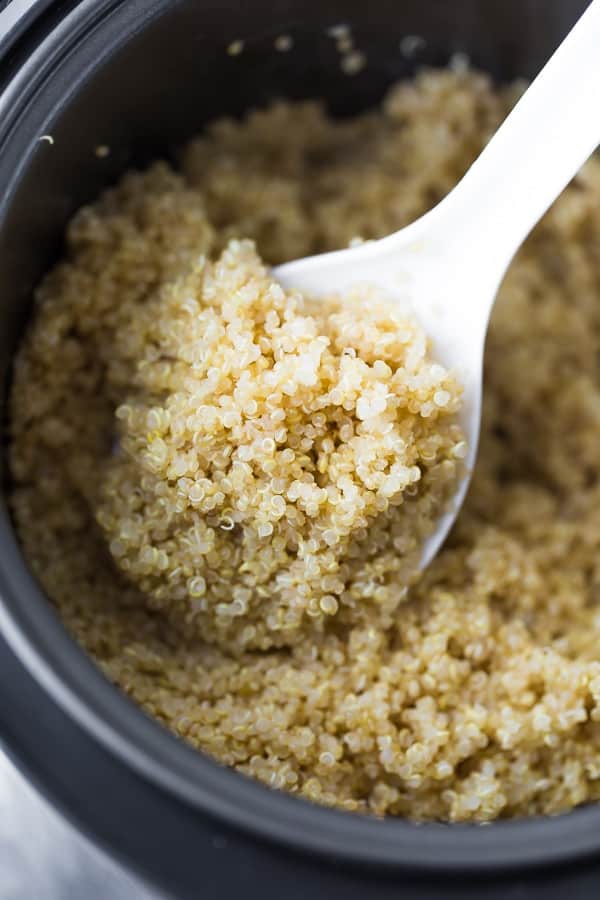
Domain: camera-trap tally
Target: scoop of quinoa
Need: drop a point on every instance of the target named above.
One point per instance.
(473, 695)
(280, 461)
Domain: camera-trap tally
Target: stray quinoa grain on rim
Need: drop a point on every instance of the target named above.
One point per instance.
(223, 486)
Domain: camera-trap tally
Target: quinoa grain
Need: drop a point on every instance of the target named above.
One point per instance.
(475, 693)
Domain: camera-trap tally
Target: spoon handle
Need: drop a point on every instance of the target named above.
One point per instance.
(547, 137)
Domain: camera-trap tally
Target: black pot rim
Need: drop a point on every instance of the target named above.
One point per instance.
(36, 635)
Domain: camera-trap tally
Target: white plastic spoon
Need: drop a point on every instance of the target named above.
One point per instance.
(449, 264)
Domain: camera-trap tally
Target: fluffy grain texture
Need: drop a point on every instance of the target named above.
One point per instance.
(482, 698)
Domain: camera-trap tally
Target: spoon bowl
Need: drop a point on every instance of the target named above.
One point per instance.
(416, 269)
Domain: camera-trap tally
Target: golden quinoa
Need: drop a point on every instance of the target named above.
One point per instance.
(479, 696)
(280, 461)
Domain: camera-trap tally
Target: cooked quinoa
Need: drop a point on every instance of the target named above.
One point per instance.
(474, 695)
(280, 461)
